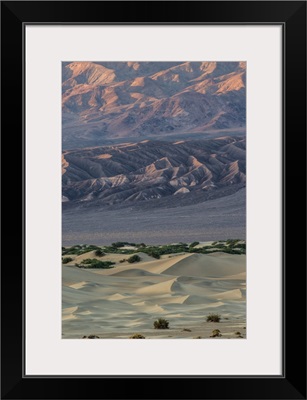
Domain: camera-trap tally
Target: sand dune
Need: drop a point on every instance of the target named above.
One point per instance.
(204, 265)
(132, 272)
(158, 289)
(185, 288)
(229, 295)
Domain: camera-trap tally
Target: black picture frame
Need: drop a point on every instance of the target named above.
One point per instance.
(292, 16)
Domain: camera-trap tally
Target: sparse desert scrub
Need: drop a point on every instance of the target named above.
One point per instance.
(91, 337)
(117, 250)
(94, 263)
(213, 318)
(99, 253)
(216, 333)
(134, 258)
(137, 336)
(154, 254)
(232, 242)
(194, 244)
(66, 260)
(151, 289)
(122, 244)
(79, 249)
(161, 323)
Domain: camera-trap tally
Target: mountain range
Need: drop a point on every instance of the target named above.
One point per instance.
(154, 170)
(112, 102)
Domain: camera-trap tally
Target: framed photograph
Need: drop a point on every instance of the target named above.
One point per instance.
(163, 151)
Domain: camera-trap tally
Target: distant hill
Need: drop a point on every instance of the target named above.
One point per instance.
(104, 102)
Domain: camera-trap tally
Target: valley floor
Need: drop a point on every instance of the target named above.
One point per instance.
(217, 219)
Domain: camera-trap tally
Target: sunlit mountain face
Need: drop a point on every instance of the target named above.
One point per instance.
(113, 102)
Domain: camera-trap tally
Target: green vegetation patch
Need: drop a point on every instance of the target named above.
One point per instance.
(118, 250)
(94, 263)
(230, 246)
(122, 244)
(99, 253)
(79, 249)
(134, 259)
(158, 251)
(66, 260)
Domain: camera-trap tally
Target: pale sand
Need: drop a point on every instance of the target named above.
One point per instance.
(127, 299)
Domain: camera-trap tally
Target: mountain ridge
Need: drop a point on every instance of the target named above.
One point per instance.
(151, 170)
(105, 101)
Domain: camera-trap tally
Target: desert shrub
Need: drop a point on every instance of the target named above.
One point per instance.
(161, 323)
(79, 249)
(134, 259)
(220, 246)
(66, 260)
(213, 318)
(232, 242)
(117, 250)
(122, 244)
(197, 337)
(110, 249)
(238, 333)
(216, 333)
(137, 336)
(117, 244)
(70, 250)
(233, 251)
(90, 337)
(157, 251)
(93, 263)
(213, 243)
(241, 245)
(89, 261)
(194, 244)
(123, 260)
(154, 254)
(99, 253)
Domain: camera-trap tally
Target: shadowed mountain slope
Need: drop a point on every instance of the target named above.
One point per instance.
(153, 170)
